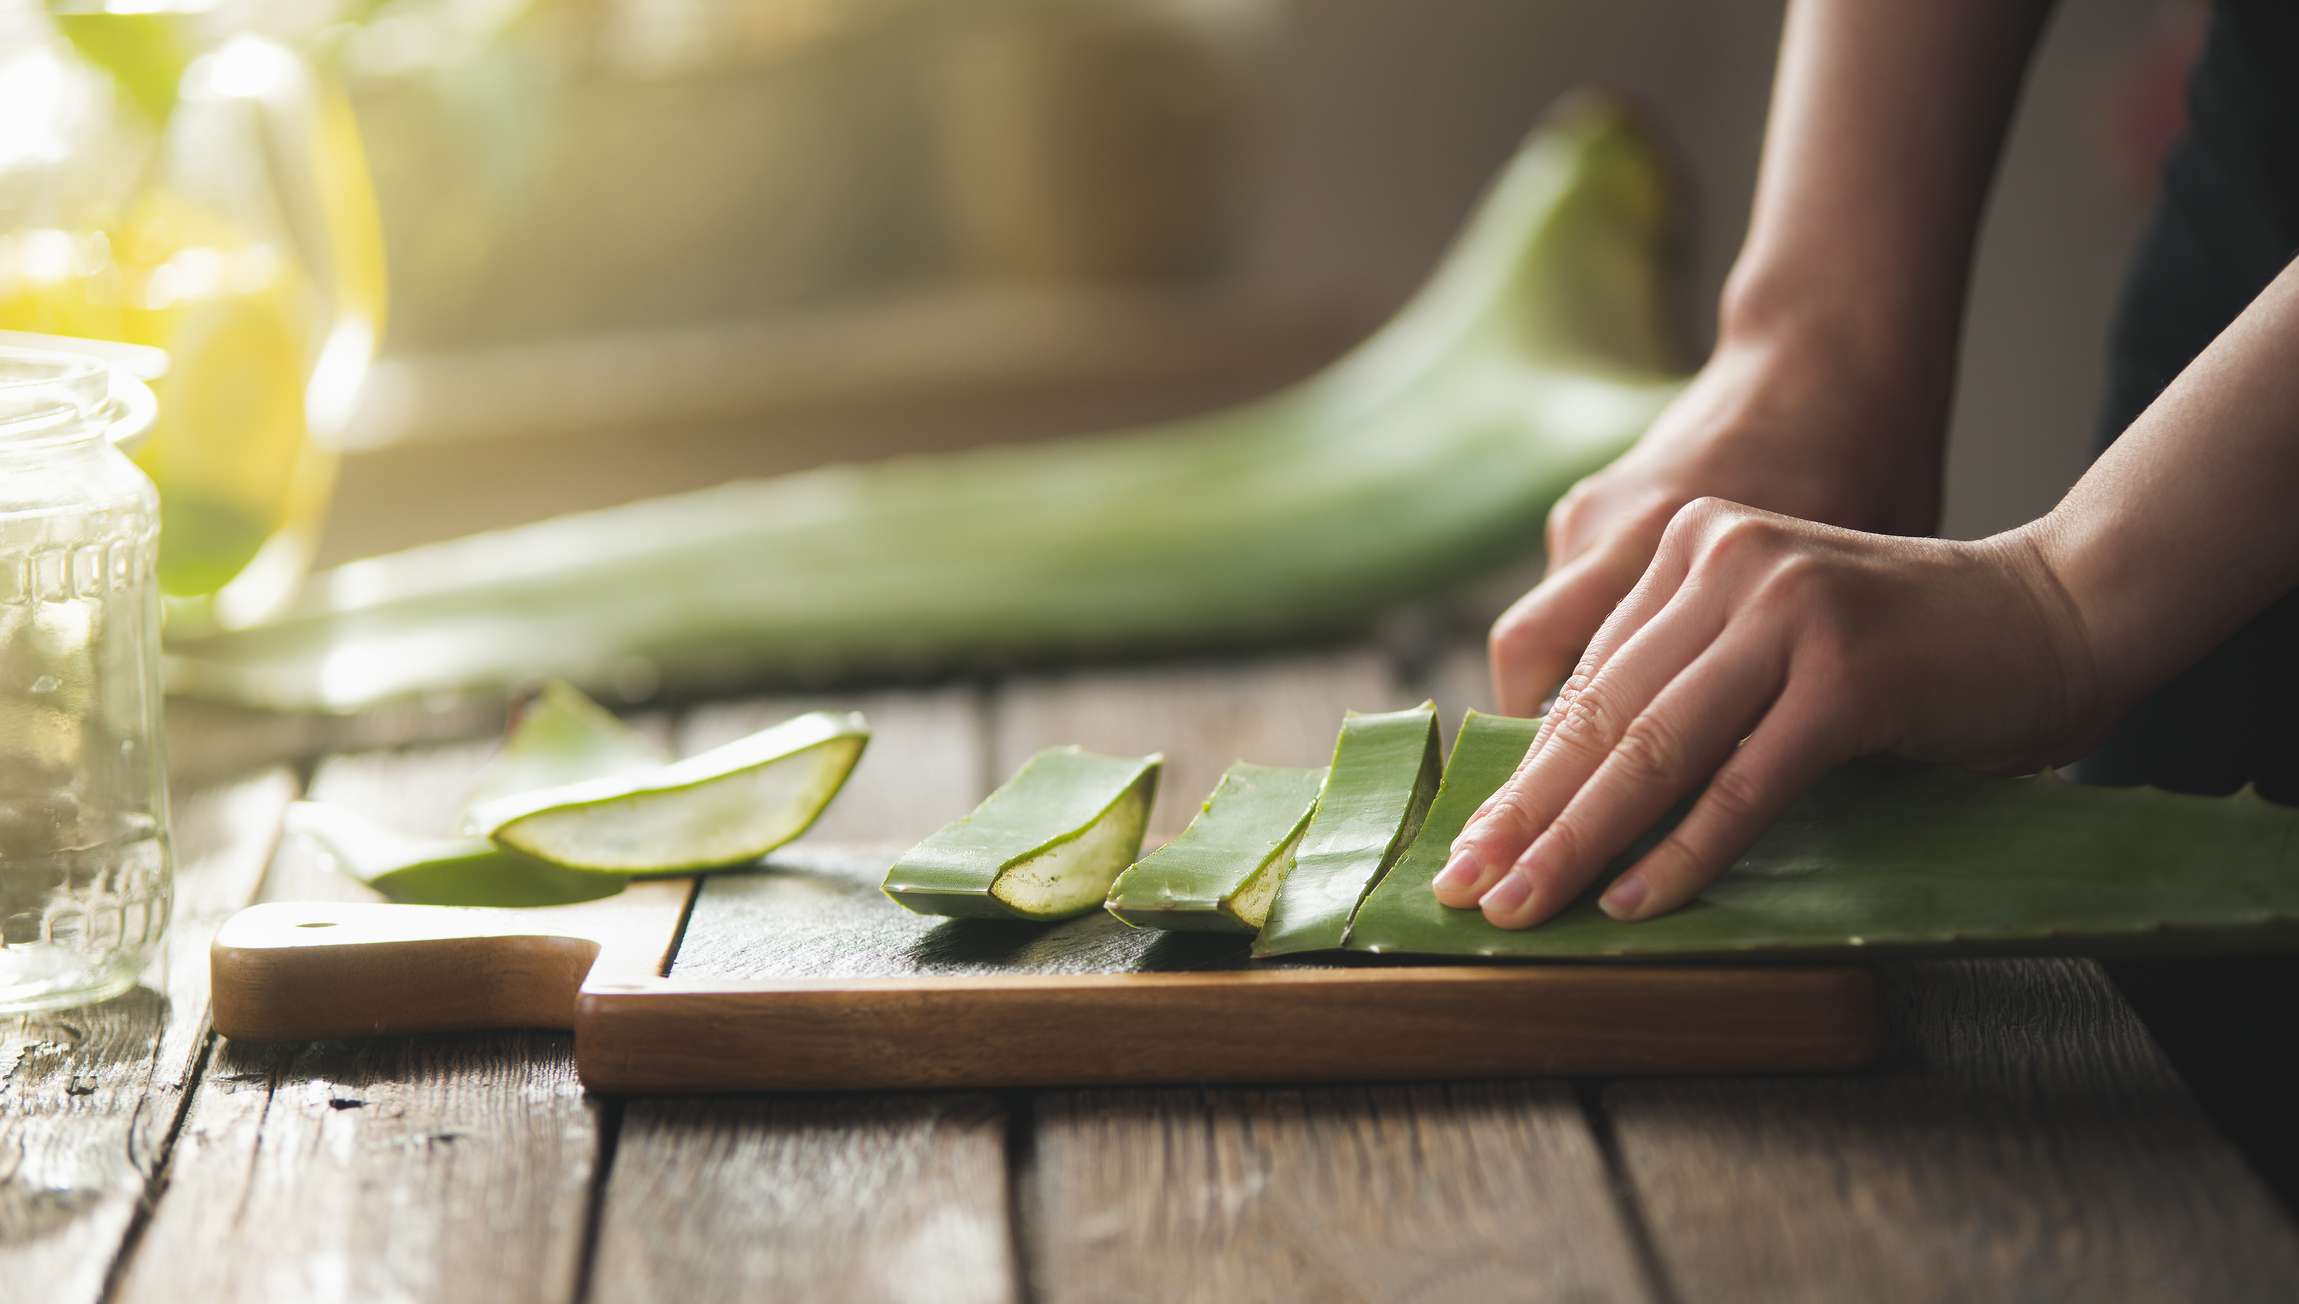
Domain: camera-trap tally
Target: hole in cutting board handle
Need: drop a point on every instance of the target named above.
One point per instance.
(317, 923)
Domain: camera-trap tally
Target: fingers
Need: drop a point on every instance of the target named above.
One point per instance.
(1577, 738)
(1536, 641)
(1790, 750)
(1687, 731)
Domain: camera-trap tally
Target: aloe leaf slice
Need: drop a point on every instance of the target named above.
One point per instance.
(1045, 845)
(438, 871)
(1223, 871)
(727, 806)
(1430, 453)
(563, 737)
(1384, 773)
(1885, 856)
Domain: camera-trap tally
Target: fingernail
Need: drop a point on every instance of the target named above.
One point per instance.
(1623, 897)
(1507, 894)
(1462, 868)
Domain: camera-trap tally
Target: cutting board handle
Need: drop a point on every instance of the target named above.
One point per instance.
(347, 969)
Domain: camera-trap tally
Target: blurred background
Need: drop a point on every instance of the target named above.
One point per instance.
(655, 244)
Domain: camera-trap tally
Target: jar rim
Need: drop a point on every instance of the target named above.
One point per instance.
(55, 389)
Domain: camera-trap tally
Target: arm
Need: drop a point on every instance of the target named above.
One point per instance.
(1816, 644)
(1828, 393)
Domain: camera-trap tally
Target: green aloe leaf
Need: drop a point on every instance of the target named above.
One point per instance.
(1045, 845)
(563, 737)
(1223, 871)
(727, 806)
(1887, 856)
(438, 871)
(1384, 773)
(1533, 356)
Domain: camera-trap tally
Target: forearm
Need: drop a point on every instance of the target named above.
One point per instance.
(2189, 524)
(1885, 127)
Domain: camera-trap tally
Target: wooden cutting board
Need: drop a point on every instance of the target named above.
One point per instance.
(803, 977)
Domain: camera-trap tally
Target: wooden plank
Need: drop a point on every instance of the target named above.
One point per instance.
(2028, 1143)
(890, 1197)
(1468, 1192)
(438, 1168)
(90, 1098)
(1465, 1192)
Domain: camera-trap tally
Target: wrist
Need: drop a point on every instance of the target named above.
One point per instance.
(2075, 623)
(1892, 353)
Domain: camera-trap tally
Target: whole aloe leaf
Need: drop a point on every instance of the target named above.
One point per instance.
(1533, 356)
(1885, 856)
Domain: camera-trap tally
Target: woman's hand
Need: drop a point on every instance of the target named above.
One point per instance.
(1789, 425)
(1812, 643)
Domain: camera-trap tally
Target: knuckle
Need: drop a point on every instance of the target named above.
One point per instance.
(1651, 751)
(1567, 517)
(1587, 722)
(1564, 844)
(1735, 795)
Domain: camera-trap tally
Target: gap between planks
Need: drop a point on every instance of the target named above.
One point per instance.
(92, 1101)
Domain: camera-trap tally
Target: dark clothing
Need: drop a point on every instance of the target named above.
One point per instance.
(2226, 222)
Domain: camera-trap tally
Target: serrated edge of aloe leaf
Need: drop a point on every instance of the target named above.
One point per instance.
(979, 901)
(815, 730)
(1214, 913)
(1427, 775)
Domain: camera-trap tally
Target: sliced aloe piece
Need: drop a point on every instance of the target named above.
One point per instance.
(439, 871)
(1884, 856)
(563, 737)
(1222, 872)
(726, 806)
(1045, 845)
(1384, 773)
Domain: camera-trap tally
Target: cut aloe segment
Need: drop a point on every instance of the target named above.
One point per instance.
(563, 737)
(1384, 773)
(1222, 872)
(1886, 856)
(1045, 845)
(726, 806)
(439, 871)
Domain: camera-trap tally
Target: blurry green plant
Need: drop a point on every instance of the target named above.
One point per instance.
(1533, 356)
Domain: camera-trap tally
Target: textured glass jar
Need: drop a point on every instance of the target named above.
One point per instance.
(84, 857)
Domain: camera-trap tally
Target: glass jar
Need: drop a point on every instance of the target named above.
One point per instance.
(170, 179)
(84, 857)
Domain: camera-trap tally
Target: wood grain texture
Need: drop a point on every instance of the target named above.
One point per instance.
(1269, 1024)
(1321, 1193)
(2028, 1143)
(887, 1197)
(1467, 1192)
(449, 1168)
(90, 1098)
(882, 1197)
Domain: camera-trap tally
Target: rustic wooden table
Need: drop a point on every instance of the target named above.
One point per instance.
(2026, 1139)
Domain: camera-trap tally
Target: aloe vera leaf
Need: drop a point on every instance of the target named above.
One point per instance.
(1888, 856)
(1045, 845)
(1384, 773)
(726, 806)
(1223, 871)
(563, 737)
(558, 737)
(438, 871)
(1429, 453)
